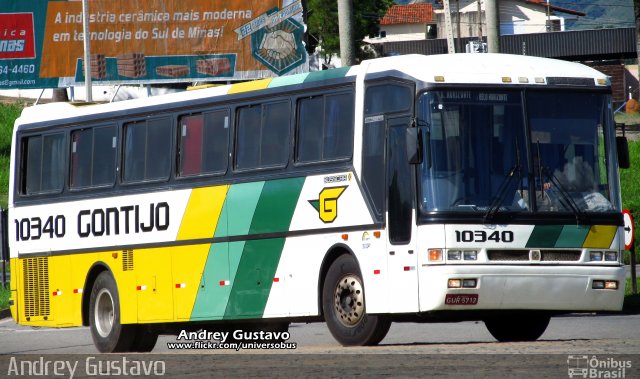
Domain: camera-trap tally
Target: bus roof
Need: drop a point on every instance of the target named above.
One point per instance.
(498, 69)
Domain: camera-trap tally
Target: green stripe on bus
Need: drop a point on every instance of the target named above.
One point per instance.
(288, 80)
(240, 207)
(252, 282)
(335, 73)
(275, 209)
(259, 261)
(211, 300)
(572, 236)
(544, 236)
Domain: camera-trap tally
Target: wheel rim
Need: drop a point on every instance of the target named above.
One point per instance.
(349, 300)
(104, 313)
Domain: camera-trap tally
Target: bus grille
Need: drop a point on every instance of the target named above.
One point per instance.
(560, 255)
(36, 286)
(523, 255)
(127, 260)
(508, 255)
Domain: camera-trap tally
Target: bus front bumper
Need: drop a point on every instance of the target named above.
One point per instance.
(534, 287)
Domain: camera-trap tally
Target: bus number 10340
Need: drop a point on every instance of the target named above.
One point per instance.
(482, 236)
(33, 228)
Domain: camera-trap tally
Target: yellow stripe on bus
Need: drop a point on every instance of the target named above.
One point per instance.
(250, 86)
(202, 213)
(600, 236)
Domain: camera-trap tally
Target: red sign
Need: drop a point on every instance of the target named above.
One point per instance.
(628, 229)
(17, 36)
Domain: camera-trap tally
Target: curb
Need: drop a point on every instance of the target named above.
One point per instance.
(5, 313)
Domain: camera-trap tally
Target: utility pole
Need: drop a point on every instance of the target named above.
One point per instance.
(448, 27)
(493, 25)
(479, 21)
(459, 44)
(345, 24)
(87, 50)
(548, 16)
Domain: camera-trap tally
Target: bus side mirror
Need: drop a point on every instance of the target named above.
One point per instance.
(414, 146)
(623, 152)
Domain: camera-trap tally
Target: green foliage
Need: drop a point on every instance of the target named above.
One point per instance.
(5, 293)
(8, 114)
(631, 301)
(630, 187)
(322, 24)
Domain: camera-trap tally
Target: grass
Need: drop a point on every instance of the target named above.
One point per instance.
(631, 301)
(629, 180)
(8, 114)
(4, 297)
(628, 118)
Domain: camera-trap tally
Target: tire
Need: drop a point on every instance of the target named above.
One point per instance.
(517, 328)
(145, 339)
(108, 334)
(343, 306)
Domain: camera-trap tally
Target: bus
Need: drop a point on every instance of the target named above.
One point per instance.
(403, 189)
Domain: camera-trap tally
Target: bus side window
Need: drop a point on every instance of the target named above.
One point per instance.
(325, 128)
(93, 155)
(146, 144)
(204, 143)
(380, 100)
(262, 136)
(44, 158)
(191, 128)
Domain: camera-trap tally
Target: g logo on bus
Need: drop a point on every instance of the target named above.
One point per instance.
(327, 203)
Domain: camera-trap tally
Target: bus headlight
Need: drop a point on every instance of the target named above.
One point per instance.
(610, 256)
(470, 255)
(595, 256)
(454, 255)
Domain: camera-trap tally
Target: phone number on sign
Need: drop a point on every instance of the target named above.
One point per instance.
(18, 69)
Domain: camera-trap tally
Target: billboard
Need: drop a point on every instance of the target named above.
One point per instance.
(149, 41)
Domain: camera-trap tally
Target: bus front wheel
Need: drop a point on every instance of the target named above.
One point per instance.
(108, 334)
(517, 328)
(344, 307)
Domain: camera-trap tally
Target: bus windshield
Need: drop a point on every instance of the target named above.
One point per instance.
(479, 156)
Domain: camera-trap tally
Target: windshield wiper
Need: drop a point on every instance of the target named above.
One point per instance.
(580, 216)
(502, 192)
(561, 189)
(504, 186)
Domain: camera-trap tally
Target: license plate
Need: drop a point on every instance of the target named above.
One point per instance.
(461, 299)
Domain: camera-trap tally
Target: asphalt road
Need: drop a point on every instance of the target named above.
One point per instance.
(463, 349)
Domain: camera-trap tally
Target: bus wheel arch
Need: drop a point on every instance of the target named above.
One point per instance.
(108, 333)
(343, 304)
(332, 254)
(90, 280)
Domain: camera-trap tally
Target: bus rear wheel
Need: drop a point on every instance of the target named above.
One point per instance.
(343, 305)
(517, 328)
(108, 334)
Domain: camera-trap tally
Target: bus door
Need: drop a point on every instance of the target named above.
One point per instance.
(402, 256)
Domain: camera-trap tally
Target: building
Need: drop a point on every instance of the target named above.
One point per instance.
(422, 21)
(406, 23)
(516, 17)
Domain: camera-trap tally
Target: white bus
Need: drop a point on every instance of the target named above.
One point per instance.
(408, 188)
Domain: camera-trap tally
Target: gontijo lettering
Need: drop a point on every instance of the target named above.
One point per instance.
(127, 219)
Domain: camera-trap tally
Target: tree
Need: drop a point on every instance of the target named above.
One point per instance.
(322, 25)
